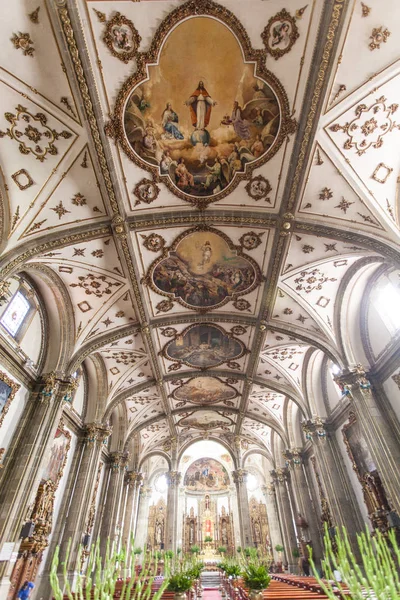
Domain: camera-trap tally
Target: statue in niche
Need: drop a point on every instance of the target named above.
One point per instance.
(191, 533)
(224, 533)
(207, 503)
(191, 513)
(159, 535)
(257, 534)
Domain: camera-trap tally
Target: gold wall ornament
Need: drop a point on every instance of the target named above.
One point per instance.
(22, 41)
(280, 34)
(34, 16)
(32, 133)
(8, 389)
(383, 177)
(369, 126)
(200, 252)
(133, 124)
(258, 188)
(100, 15)
(18, 178)
(64, 100)
(365, 10)
(146, 191)
(153, 242)
(396, 379)
(121, 37)
(342, 88)
(378, 36)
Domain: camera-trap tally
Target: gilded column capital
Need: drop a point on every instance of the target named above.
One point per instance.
(268, 490)
(173, 478)
(96, 432)
(315, 429)
(119, 460)
(293, 457)
(240, 476)
(133, 478)
(279, 475)
(145, 491)
(354, 379)
(70, 388)
(49, 387)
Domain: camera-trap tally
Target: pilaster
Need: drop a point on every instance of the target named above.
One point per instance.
(240, 480)
(173, 480)
(273, 518)
(280, 478)
(110, 526)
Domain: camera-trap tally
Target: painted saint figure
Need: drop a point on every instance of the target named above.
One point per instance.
(184, 178)
(200, 104)
(239, 124)
(169, 123)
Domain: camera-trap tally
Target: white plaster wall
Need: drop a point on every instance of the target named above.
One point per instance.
(79, 398)
(393, 392)
(14, 413)
(31, 342)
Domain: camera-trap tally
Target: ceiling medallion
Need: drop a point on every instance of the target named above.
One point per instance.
(121, 37)
(205, 390)
(34, 135)
(378, 37)
(203, 346)
(369, 126)
(280, 34)
(146, 191)
(205, 420)
(22, 41)
(203, 270)
(182, 120)
(23, 184)
(258, 188)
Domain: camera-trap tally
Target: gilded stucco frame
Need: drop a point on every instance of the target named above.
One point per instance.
(14, 388)
(166, 252)
(196, 8)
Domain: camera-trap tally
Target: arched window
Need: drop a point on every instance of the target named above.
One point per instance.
(18, 313)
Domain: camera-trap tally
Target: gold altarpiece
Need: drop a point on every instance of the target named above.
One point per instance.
(209, 524)
(156, 528)
(259, 524)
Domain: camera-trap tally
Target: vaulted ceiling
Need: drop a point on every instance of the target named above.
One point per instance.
(204, 291)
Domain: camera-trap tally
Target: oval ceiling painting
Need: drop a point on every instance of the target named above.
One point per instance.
(205, 420)
(206, 474)
(205, 390)
(201, 119)
(204, 346)
(203, 270)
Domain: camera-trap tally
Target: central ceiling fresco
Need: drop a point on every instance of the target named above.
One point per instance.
(199, 181)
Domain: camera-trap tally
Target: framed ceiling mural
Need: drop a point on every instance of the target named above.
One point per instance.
(205, 391)
(203, 270)
(203, 346)
(205, 420)
(206, 474)
(201, 121)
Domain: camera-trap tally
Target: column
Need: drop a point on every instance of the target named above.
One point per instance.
(173, 480)
(143, 517)
(240, 480)
(379, 436)
(339, 494)
(273, 518)
(133, 481)
(305, 514)
(77, 514)
(25, 458)
(110, 527)
(280, 478)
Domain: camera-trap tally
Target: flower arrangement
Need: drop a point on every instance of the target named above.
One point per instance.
(195, 549)
(208, 538)
(221, 549)
(180, 582)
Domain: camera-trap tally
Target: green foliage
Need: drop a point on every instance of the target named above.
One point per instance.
(250, 552)
(195, 549)
(221, 549)
(295, 553)
(195, 569)
(137, 551)
(239, 549)
(169, 554)
(102, 574)
(180, 582)
(379, 572)
(232, 569)
(255, 576)
(279, 548)
(208, 538)
(178, 550)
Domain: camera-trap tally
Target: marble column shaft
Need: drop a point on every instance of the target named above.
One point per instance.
(143, 517)
(240, 480)
(304, 503)
(380, 438)
(112, 506)
(274, 524)
(173, 480)
(28, 452)
(338, 489)
(133, 481)
(280, 478)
